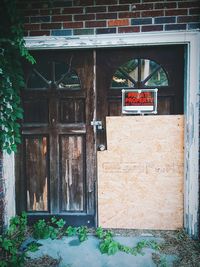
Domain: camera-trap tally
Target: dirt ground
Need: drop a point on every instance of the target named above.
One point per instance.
(186, 250)
(176, 243)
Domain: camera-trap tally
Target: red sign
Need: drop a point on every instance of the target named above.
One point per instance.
(139, 101)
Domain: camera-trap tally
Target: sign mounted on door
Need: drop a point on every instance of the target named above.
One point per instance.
(139, 101)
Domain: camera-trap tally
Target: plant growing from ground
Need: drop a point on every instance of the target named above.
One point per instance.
(33, 247)
(53, 229)
(11, 253)
(11, 241)
(82, 233)
(71, 231)
(109, 246)
(100, 233)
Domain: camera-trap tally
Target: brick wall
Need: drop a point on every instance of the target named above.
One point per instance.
(84, 17)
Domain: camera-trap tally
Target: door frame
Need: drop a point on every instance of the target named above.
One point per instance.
(191, 98)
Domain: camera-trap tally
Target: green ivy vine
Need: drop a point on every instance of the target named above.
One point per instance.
(12, 50)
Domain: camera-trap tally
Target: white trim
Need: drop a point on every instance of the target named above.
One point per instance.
(9, 186)
(192, 41)
(108, 40)
(191, 200)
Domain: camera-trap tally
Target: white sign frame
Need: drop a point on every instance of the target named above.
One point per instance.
(139, 109)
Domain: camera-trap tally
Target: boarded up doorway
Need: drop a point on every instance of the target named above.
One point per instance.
(140, 176)
(56, 166)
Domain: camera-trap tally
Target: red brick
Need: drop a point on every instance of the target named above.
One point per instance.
(106, 16)
(31, 12)
(31, 27)
(129, 1)
(96, 9)
(194, 11)
(150, 28)
(62, 18)
(83, 2)
(152, 13)
(106, 2)
(40, 4)
(39, 33)
(51, 26)
(188, 19)
(54, 11)
(129, 15)
(118, 8)
(129, 29)
(175, 12)
(84, 17)
(72, 10)
(118, 22)
(165, 5)
(92, 24)
(143, 6)
(45, 12)
(189, 4)
(73, 25)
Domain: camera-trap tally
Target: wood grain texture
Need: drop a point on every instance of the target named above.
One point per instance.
(36, 173)
(72, 173)
(140, 176)
(62, 113)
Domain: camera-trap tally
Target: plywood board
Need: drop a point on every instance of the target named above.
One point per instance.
(140, 176)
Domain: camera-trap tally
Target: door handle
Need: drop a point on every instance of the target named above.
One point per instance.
(53, 121)
(98, 124)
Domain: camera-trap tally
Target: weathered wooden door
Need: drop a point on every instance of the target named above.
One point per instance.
(150, 67)
(140, 179)
(56, 168)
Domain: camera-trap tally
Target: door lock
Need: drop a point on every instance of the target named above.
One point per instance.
(98, 124)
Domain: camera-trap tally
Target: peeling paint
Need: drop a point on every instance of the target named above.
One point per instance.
(9, 181)
(104, 40)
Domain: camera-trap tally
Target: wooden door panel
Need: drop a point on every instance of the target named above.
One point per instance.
(36, 171)
(72, 110)
(35, 111)
(115, 107)
(72, 173)
(170, 97)
(165, 105)
(59, 104)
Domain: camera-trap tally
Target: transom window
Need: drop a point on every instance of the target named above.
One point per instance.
(139, 73)
(60, 75)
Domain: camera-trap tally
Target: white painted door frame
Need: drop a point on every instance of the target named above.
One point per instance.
(191, 96)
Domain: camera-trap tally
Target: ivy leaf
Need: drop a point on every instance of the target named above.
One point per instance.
(12, 79)
(19, 115)
(9, 150)
(6, 244)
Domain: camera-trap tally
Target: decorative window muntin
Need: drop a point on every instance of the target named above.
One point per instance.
(139, 73)
(57, 74)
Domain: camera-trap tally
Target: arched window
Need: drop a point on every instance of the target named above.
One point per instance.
(139, 73)
(59, 74)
